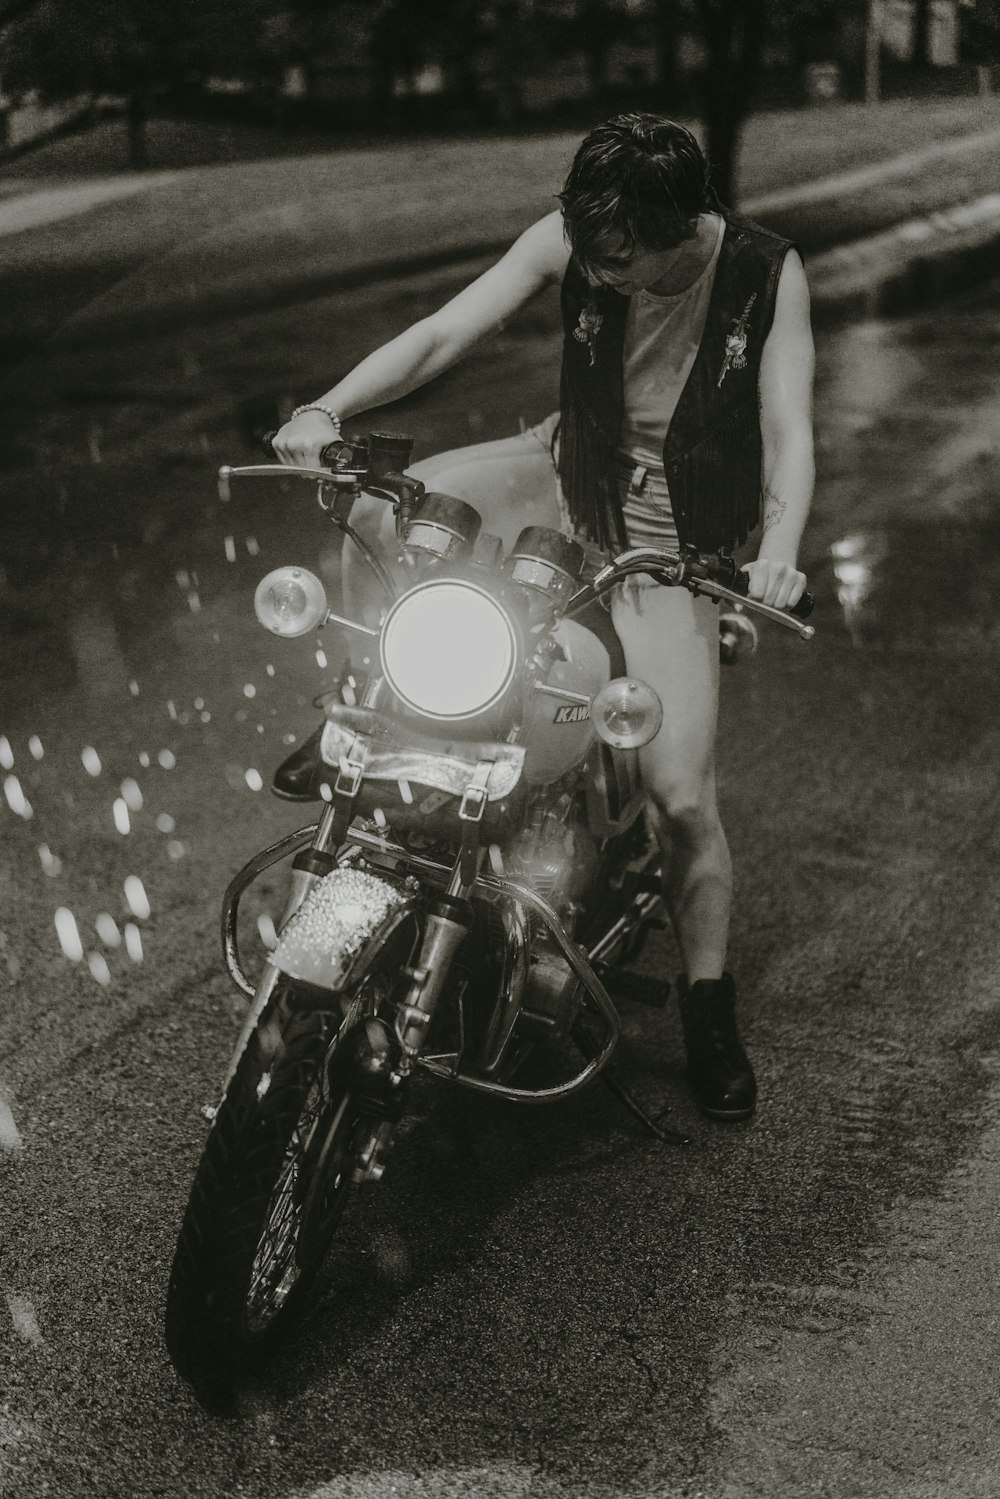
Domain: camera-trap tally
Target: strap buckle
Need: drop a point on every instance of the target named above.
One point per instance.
(470, 812)
(352, 768)
(476, 795)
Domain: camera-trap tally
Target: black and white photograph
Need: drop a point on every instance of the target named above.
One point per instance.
(500, 749)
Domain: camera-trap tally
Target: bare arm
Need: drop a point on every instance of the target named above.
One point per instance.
(786, 384)
(428, 348)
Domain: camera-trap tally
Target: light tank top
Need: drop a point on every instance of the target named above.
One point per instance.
(662, 337)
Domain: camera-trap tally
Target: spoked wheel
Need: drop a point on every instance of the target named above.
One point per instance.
(270, 1189)
(307, 1201)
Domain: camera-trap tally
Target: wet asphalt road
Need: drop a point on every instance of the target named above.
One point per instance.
(535, 1303)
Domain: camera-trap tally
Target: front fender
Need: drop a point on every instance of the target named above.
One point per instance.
(326, 940)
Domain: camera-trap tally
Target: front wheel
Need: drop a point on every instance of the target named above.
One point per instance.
(269, 1192)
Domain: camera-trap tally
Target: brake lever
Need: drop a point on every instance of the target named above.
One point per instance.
(719, 591)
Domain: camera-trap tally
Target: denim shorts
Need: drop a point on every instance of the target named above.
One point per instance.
(645, 501)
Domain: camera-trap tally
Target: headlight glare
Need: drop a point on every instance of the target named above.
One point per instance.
(448, 650)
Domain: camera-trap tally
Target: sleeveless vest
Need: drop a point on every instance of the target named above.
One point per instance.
(712, 452)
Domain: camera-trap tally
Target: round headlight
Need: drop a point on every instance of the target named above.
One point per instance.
(290, 601)
(448, 649)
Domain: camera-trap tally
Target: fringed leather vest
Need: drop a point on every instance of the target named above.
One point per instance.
(712, 452)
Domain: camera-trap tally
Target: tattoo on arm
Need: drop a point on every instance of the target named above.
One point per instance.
(774, 509)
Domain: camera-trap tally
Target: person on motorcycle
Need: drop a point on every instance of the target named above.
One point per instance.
(685, 417)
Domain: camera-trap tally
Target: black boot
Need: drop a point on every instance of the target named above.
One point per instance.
(293, 778)
(719, 1068)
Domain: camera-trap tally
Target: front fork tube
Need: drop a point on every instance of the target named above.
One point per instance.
(448, 922)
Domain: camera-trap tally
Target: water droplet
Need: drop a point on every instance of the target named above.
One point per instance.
(254, 780)
(380, 818)
(269, 669)
(133, 687)
(194, 602)
(320, 656)
(35, 747)
(50, 863)
(136, 898)
(171, 709)
(205, 717)
(91, 760)
(230, 547)
(199, 703)
(167, 759)
(249, 690)
(176, 849)
(119, 811)
(16, 799)
(133, 942)
(98, 965)
(183, 578)
(253, 545)
(288, 738)
(164, 822)
(326, 793)
(6, 753)
(131, 794)
(144, 759)
(404, 791)
(69, 937)
(107, 929)
(265, 926)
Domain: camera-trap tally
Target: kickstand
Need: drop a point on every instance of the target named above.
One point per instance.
(666, 1136)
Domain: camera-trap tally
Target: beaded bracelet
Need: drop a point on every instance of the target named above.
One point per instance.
(317, 406)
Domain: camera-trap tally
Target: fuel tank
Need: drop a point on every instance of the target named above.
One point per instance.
(558, 734)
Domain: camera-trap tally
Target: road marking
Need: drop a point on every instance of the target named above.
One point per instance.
(10, 1139)
(32, 210)
(878, 171)
(25, 1321)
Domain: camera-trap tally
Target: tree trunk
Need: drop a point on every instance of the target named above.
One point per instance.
(733, 31)
(594, 25)
(510, 48)
(667, 50)
(921, 33)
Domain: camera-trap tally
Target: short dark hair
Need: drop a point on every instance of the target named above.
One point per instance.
(638, 176)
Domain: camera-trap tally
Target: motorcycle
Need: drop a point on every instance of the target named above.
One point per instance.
(478, 876)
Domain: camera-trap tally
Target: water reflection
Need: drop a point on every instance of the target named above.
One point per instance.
(921, 587)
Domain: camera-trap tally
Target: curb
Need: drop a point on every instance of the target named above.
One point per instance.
(890, 274)
(911, 266)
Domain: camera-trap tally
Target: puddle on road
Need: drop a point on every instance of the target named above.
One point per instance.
(921, 588)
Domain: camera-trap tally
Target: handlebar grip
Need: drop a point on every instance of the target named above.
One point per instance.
(326, 457)
(740, 583)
